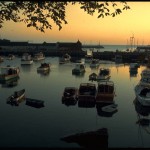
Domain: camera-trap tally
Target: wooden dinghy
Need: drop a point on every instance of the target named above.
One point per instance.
(110, 108)
(34, 103)
(16, 98)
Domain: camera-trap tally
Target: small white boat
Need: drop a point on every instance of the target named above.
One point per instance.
(8, 73)
(89, 56)
(44, 67)
(143, 94)
(26, 59)
(110, 108)
(16, 97)
(104, 74)
(65, 58)
(79, 68)
(39, 56)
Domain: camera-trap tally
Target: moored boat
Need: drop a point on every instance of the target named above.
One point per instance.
(104, 74)
(44, 67)
(79, 68)
(39, 56)
(65, 58)
(94, 63)
(34, 102)
(104, 110)
(89, 56)
(9, 72)
(105, 92)
(145, 73)
(143, 94)
(110, 108)
(93, 76)
(70, 94)
(16, 98)
(26, 59)
(87, 92)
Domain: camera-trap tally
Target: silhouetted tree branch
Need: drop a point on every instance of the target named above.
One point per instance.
(40, 14)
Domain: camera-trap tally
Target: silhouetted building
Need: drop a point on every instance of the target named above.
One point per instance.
(7, 45)
(69, 47)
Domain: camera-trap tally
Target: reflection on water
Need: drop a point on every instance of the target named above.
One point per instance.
(86, 104)
(79, 75)
(43, 73)
(25, 126)
(143, 119)
(26, 68)
(10, 83)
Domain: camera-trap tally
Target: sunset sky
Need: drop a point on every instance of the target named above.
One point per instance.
(89, 29)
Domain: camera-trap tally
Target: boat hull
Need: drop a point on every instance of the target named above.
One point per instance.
(103, 77)
(16, 99)
(43, 69)
(26, 62)
(8, 77)
(39, 58)
(145, 101)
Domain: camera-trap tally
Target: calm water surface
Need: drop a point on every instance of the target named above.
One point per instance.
(25, 126)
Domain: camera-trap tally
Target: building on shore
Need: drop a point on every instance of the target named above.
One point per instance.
(21, 47)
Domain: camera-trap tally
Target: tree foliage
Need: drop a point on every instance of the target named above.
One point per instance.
(40, 14)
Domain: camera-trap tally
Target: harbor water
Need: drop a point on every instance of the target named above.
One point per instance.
(25, 126)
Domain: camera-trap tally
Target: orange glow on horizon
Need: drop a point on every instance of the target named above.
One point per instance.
(89, 29)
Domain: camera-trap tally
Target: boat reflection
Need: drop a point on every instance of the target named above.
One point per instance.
(86, 104)
(143, 113)
(93, 139)
(43, 73)
(10, 83)
(133, 73)
(69, 103)
(26, 68)
(102, 113)
(79, 75)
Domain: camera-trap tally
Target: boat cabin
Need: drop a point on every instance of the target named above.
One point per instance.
(105, 92)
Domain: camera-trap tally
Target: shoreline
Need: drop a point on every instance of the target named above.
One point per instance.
(107, 55)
